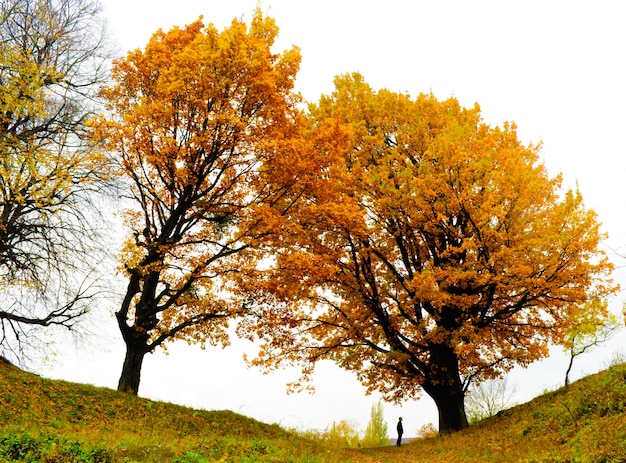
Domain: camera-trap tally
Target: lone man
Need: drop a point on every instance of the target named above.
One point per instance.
(400, 431)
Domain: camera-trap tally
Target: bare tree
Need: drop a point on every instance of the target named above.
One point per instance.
(53, 58)
(488, 398)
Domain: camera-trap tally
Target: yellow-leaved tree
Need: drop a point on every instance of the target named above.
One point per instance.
(428, 250)
(194, 117)
(591, 326)
(53, 57)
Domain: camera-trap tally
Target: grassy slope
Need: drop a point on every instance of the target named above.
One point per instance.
(585, 423)
(135, 429)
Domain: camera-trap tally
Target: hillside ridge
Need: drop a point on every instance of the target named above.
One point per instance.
(583, 423)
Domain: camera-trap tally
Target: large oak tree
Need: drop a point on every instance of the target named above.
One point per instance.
(194, 117)
(428, 250)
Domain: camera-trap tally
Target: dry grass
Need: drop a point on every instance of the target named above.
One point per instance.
(585, 423)
(57, 421)
(49, 414)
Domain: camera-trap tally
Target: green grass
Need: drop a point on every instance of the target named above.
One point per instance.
(585, 423)
(57, 421)
(51, 421)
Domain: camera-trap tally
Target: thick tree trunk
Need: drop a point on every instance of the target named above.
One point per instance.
(445, 387)
(135, 336)
(131, 371)
(451, 407)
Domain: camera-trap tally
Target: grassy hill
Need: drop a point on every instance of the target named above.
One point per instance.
(51, 421)
(585, 423)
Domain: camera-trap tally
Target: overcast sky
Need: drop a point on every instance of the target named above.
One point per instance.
(555, 68)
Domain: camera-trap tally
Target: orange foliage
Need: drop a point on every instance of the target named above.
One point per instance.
(427, 250)
(194, 117)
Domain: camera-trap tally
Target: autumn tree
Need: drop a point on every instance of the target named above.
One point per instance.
(429, 250)
(376, 430)
(194, 118)
(53, 57)
(589, 329)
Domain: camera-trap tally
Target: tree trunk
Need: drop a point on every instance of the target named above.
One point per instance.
(131, 371)
(136, 336)
(444, 386)
(569, 366)
(451, 407)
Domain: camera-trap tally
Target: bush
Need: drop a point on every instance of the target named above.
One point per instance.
(342, 435)
(48, 449)
(20, 447)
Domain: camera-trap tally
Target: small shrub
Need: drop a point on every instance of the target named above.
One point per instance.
(427, 431)
(24, 447)
(190, 457)
(342, 435)
(20, 447)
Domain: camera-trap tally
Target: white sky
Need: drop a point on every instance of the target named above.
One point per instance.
(556, 68)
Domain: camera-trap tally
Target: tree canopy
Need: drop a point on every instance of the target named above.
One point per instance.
(428, 250)
(588, 329)
(403, 238)
(194, 118)
(53, 55)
